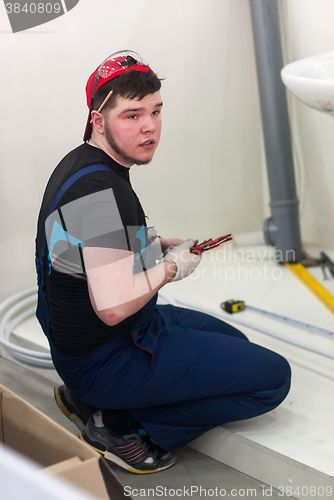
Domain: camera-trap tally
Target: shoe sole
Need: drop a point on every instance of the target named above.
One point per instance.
(67, 412)
(118, 461)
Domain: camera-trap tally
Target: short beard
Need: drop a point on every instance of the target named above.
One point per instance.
(113, 144)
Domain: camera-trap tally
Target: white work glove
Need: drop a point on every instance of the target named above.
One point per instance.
(185, 261)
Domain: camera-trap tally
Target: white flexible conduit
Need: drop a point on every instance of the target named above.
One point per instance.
(11, 319)
(18, 310)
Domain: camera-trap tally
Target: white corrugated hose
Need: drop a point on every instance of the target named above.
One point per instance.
(19, 308)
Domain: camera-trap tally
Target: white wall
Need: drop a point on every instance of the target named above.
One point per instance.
(307, 27)
(207, 176)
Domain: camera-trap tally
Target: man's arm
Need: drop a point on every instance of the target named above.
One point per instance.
(115, 292)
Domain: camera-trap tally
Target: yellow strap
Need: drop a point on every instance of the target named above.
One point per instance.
(308, 280)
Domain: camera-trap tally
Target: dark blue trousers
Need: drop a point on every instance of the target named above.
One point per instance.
(179, 373)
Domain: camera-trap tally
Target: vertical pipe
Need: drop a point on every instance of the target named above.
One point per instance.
(282, 229)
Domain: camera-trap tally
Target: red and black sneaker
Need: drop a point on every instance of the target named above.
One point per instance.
(133, 452)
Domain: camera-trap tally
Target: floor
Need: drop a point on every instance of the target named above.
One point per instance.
(290, 447)
(193, 469)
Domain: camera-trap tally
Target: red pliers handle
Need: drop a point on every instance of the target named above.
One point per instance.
(208, 244)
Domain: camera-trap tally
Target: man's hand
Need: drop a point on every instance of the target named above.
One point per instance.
(185, 261)
(168, 243)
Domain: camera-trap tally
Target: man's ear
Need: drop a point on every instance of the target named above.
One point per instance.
(98, 122)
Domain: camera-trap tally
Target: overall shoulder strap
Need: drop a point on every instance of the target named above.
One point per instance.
(97, 167)
(74, 178)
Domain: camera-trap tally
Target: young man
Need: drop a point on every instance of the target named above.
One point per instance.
(141, 379)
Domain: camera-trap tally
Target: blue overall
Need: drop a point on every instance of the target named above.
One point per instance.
(178, 372)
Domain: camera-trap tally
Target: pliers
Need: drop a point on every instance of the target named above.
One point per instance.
(208, 244)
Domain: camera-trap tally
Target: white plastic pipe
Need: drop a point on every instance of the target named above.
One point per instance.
(26, 356)
(16, 297)
(43, 359)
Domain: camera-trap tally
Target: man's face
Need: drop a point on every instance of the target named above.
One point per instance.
(133, 129)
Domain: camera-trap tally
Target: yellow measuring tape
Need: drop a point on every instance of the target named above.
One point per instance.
(326, 298)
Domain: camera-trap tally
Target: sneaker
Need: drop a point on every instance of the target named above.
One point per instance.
(132, 452)
(77, 412)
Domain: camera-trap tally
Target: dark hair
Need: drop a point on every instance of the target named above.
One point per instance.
(130, 85)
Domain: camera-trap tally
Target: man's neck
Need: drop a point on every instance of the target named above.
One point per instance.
(100, 142)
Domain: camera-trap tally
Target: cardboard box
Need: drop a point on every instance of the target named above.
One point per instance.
(33, 434)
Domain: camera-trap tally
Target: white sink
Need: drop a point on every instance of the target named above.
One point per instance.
(312, 81)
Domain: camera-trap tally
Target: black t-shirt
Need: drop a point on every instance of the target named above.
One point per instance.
(99, 210)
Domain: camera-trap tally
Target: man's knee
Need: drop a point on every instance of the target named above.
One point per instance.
(282, 379)
(284, 371)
